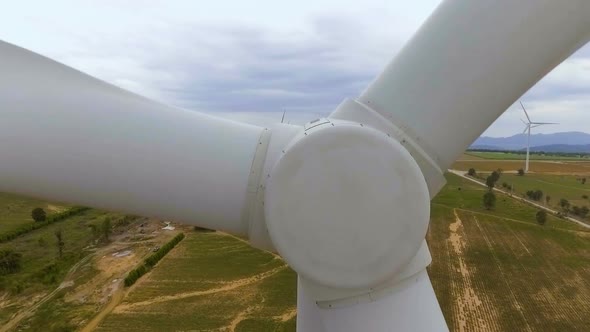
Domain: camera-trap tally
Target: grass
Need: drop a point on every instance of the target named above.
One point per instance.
(15, 211)
(211, 281)
(538, 166)
(465, 195)
(41, 269)
(500, 271)
(556, 186)
(522, 156)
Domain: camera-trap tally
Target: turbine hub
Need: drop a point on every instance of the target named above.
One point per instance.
(346, 205)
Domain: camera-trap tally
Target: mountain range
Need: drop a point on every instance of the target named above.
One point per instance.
(571, 141)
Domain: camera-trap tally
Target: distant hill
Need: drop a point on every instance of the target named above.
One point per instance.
(565, 148)
(572, 141)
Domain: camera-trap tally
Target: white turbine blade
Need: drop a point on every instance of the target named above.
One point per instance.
(468, 63)
(544, 123)
(521, 120)
(525, 112)
(525, 129)
(68, 137)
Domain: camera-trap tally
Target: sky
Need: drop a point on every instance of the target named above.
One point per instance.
(252, 60)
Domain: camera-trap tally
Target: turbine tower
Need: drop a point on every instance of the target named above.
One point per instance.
(527, 129)
(345, 200)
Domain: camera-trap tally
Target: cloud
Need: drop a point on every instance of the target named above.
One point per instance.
(254, 62)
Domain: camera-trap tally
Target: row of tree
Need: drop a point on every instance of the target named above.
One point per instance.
(152, 260)
(10, 235)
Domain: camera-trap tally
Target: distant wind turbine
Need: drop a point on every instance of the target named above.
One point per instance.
(527, 129)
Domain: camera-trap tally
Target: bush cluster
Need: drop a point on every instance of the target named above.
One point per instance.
(152, 260)
(535, 195)
(49, 220)
(10, 261)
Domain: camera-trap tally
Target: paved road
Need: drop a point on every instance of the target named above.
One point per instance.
(462, 174)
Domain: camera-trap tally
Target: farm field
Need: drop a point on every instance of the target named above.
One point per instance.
(536, 166)
(49, 293)
(210, 282)
(495, 270)
(556, 186)
(499, 271)
(15, 211)
(522, 156)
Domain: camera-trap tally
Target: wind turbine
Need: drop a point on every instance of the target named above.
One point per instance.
(527, 129)
(345, 200)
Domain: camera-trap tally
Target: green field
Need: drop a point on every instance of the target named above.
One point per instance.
(556, 186)
(15, 211)
(469, 198)
(210, 281)
(495, 270)
(42, 271)
(522, 156)
(500, 271)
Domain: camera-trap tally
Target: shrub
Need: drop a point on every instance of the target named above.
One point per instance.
(9, 261)
(471, 172)
(38, 214)
(520, 171)
(489, 200)
(541, 217)
(535, 195)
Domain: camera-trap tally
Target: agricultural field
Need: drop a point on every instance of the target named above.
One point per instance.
(15, 211)
(210, 282)
(495, 270)
(53, 293)
(499, 271)
(522, 156)
(536, 166)
(555, 186)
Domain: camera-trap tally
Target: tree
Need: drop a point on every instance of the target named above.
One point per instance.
(107, 228)
(535, 195)
(492, 179)
(495, 175)
(520, 171)
(565, 205)
(471, 172)
(38, 214)
(583, 180)
(547, 199)
(60, 242)
(9, 261)
(541, 217)
(489, 200)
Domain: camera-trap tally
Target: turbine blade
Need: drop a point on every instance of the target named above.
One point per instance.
(525, 112)
(437, 76)
(66, 136)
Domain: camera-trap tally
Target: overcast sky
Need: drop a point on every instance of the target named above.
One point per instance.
(250, 60)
